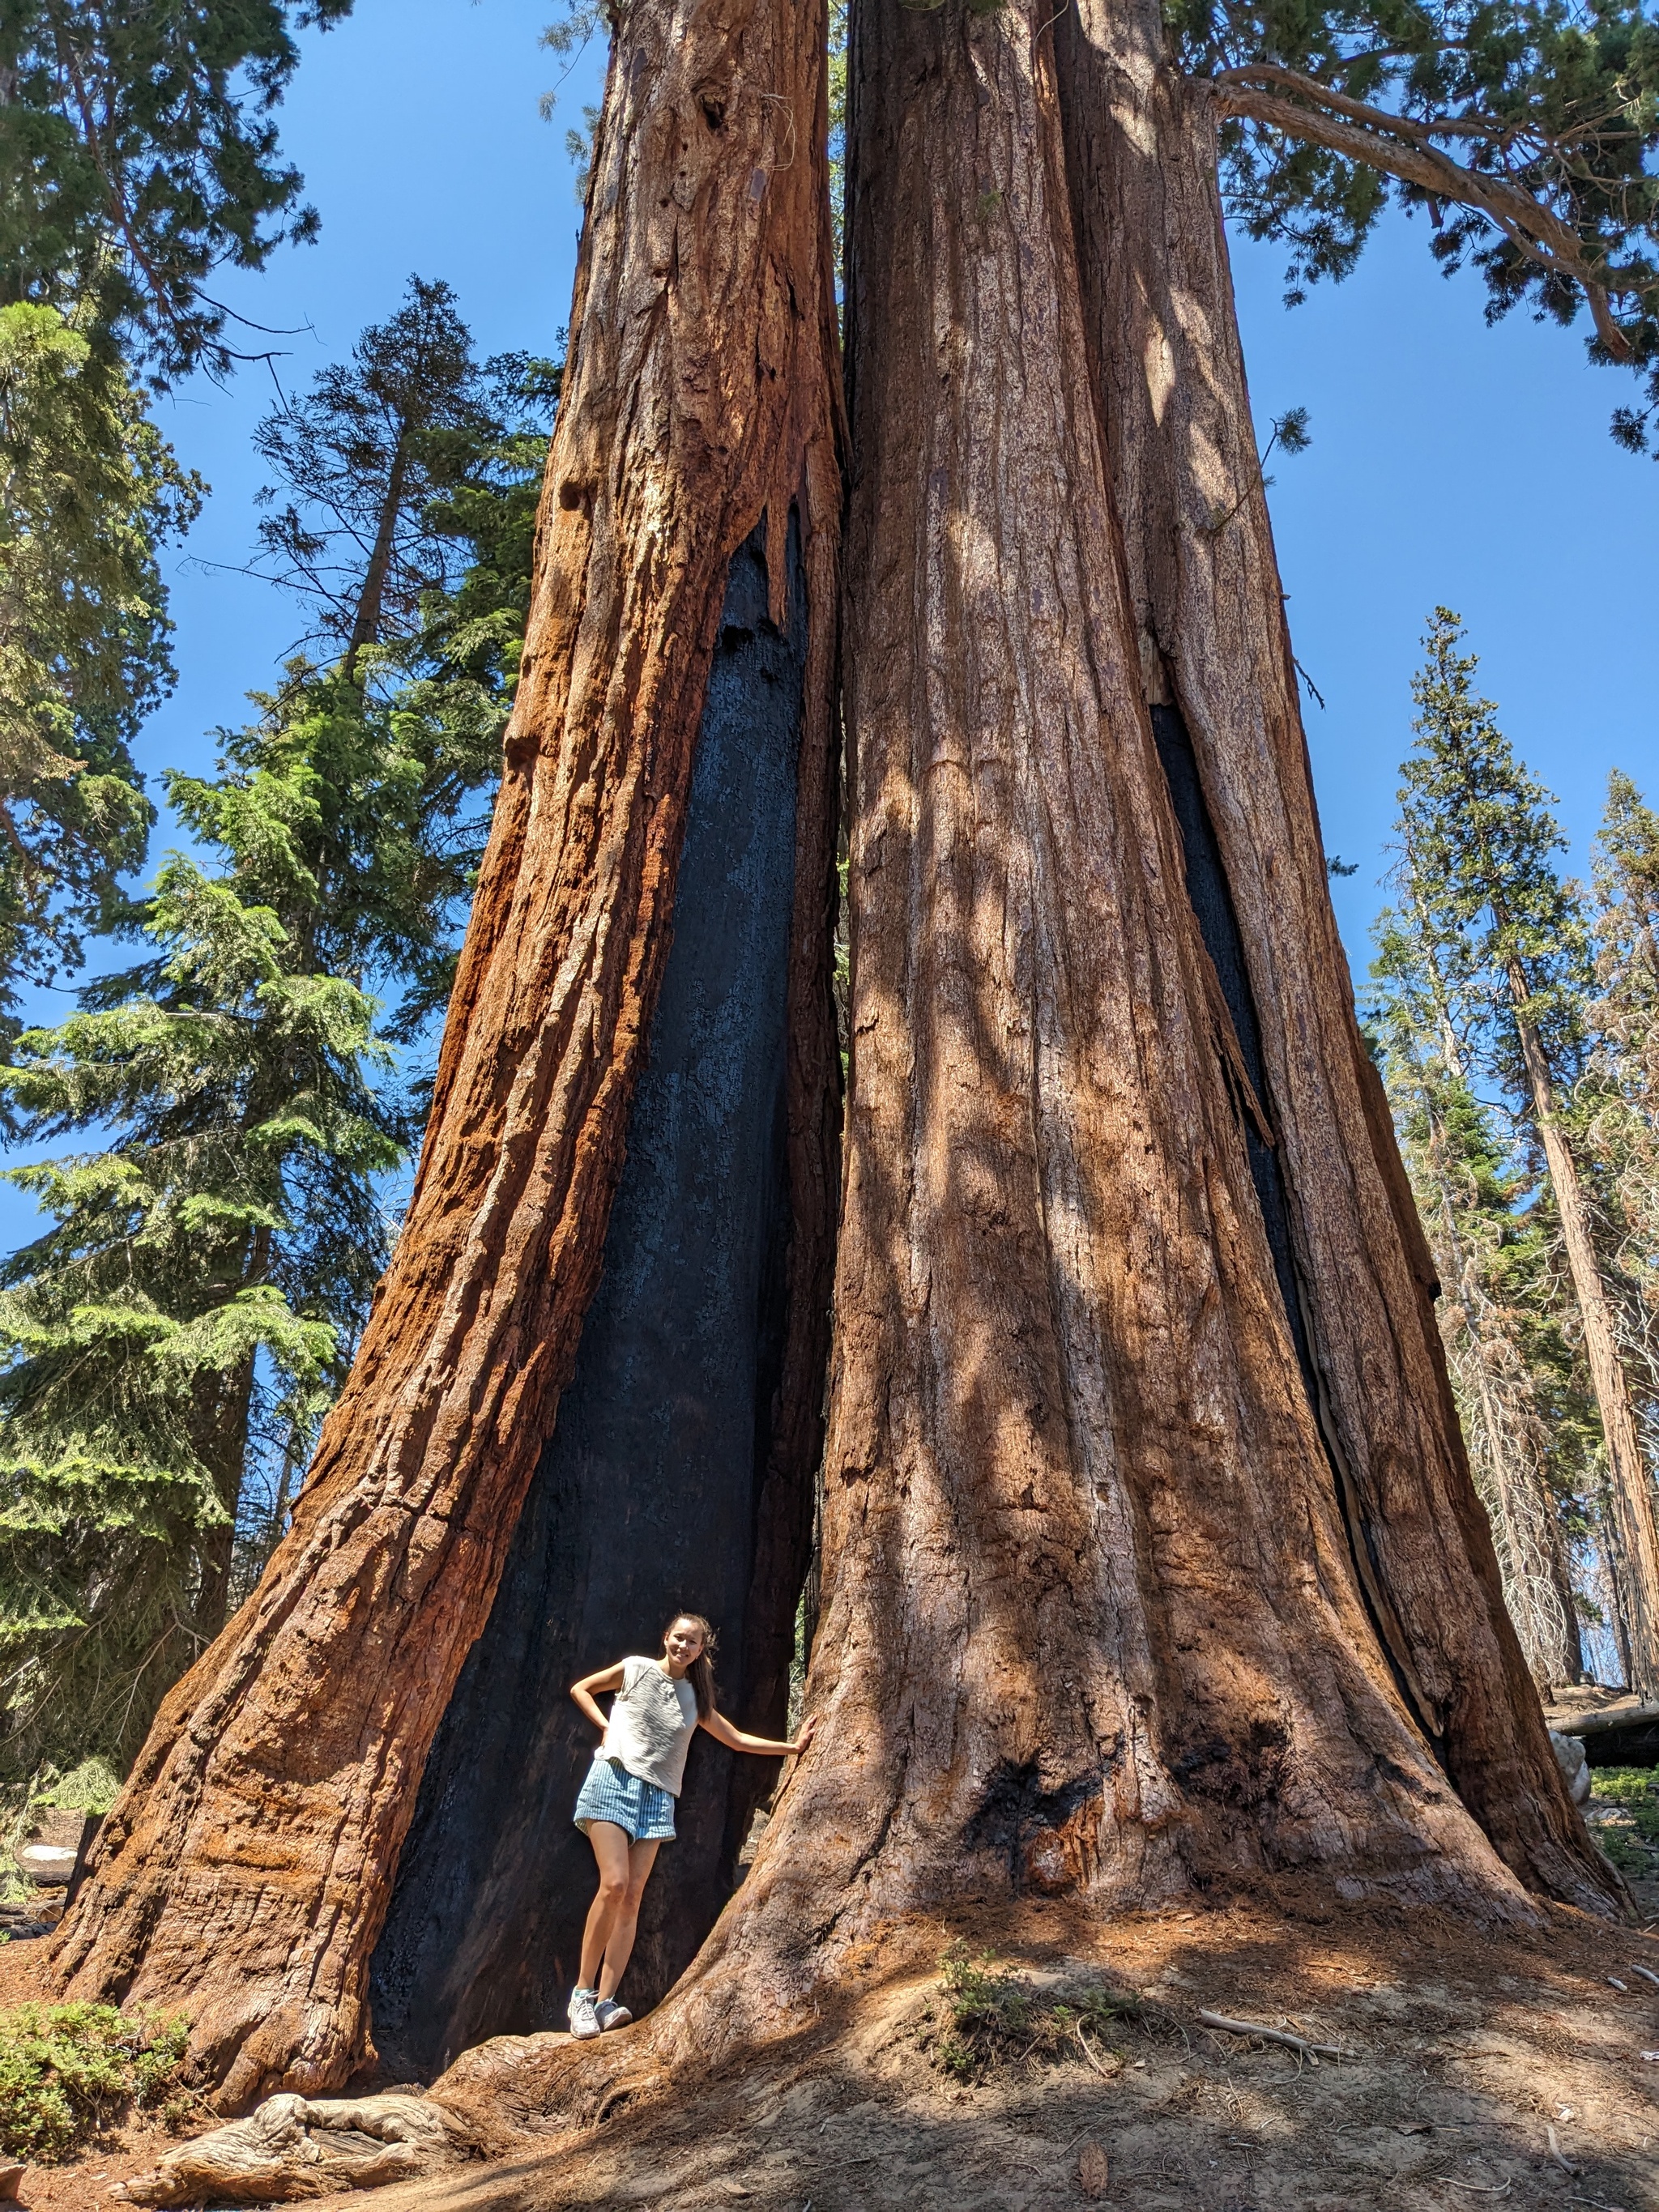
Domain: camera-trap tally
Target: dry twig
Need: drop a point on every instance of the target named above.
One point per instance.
(1105, 2072)
(1556, 2152)
(1314, 2050)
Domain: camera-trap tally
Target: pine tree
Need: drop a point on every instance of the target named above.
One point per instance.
(1479, 869)
(363, 457)
(88, 491)
(1620, 1113)
(1489, 1259)
(138, 155)
(171, 1345)
(205, 1272)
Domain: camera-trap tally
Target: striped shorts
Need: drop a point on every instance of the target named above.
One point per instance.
(612, 1793)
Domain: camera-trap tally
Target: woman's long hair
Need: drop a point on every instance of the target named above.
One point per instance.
(701, 1672)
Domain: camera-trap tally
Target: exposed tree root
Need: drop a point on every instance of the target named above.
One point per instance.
(1464, 2050)
(295, 2148)
(1254, 2028)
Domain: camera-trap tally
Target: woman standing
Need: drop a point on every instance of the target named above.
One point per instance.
(626, 1808)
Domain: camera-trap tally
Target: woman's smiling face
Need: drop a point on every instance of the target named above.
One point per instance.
(682, 1644)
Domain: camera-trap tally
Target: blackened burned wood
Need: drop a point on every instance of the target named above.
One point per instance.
(648, 1496)
(244, 1876)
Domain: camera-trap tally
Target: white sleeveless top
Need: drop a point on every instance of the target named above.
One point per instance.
(652, 1721)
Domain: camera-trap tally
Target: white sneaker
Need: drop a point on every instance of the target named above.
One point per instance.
(609, 2014)
(583, 2020)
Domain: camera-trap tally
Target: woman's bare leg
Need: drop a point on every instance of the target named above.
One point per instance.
(610, 1848)
(619, 1944)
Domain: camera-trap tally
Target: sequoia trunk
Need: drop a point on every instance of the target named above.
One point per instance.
(244, 1875)
(1105, 1613)
(676, 1473)
(1216, 671)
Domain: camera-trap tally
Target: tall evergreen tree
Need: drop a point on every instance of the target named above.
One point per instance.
(169, 1346)
(1491, 1260)
(89, 490)
(139, 154)
(205, 1273)
(361, 459)
(1621, 1107)
(1478, 844)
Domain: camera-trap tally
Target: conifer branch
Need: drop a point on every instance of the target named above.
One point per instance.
(1285, 99)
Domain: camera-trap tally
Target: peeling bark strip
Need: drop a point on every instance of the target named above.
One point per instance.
(243, 1876)
(1212, 646)
(648, 1494)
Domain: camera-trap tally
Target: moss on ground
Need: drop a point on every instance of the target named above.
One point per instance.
(989, 2019)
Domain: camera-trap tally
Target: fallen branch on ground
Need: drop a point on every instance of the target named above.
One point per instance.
(295, 2146)
(1314, 2051)
(1105, 2073)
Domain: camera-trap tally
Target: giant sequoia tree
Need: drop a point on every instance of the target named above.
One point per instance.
(698, 416)
(1151, 1555)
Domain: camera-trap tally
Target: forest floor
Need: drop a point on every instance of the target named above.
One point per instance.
(1484, 2071)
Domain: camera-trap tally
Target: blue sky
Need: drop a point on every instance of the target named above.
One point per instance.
(1449, 462)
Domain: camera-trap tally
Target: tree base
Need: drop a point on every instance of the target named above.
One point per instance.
(1466, 2045)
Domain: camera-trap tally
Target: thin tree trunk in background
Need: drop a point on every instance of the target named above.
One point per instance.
(1215, 666)
(365, 621)
(1628, 1480)
(244, 1874)
(1567, 1599)
(220, 1435)
(1532, 1559)
(1612, 1567)
(1537, 1590)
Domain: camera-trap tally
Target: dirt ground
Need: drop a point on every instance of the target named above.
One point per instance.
(1483, 2071)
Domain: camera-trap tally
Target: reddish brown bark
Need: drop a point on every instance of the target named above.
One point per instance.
(1092, 1621)
(1213, 645)
(243, 1876)
(1149, 1563)
(1101, 1617)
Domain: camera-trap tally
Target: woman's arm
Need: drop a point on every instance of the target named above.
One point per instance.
(723, 1732)
(582, 1691)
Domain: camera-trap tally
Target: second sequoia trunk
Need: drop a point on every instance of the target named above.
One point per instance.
(1131, 1557)
(244, 1876)
(1216, 669)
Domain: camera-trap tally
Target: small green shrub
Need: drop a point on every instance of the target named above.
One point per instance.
(992, 2019)
(1635, 1790)
(68, 2072)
